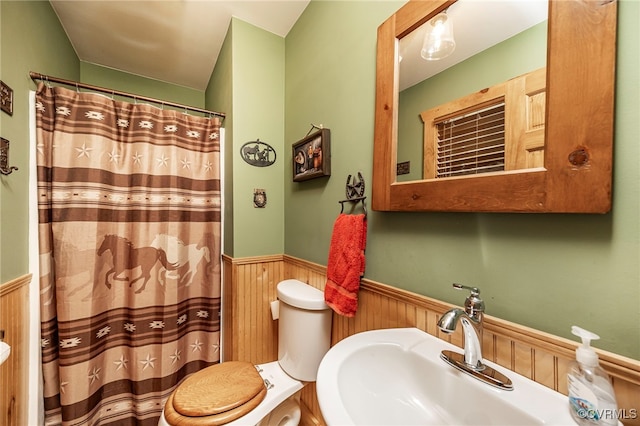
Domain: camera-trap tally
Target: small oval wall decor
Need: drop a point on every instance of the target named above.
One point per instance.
(257, 153)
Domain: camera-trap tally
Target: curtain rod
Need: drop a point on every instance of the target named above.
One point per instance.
(46, 78)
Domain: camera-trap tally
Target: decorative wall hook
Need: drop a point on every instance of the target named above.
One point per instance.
(5, 169)
(354, 190)
(6, 98)
(259, 198)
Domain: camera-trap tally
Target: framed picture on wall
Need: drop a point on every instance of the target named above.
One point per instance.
(312, 156)
(6, 98)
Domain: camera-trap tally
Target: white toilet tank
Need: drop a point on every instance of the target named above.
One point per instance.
(304, 329)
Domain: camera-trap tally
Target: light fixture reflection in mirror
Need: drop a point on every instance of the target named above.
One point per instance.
(562, 184)
(438, 39)
(509, 33)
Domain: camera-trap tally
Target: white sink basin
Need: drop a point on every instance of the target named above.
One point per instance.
(396, 377)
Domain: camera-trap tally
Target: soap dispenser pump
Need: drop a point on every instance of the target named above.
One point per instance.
(591, 397)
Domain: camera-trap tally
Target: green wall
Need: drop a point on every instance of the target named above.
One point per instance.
(31, 39)
(107, 77)
(219, 97)
(546, 271)
(257, 113)
(330, 69)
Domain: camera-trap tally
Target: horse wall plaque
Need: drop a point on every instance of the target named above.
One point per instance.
(257, 153)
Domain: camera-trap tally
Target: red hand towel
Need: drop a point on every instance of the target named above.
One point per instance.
(346, 263)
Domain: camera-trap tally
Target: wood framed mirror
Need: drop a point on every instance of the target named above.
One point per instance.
(578, 149)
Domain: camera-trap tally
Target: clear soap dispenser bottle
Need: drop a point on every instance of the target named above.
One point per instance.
(591, 397)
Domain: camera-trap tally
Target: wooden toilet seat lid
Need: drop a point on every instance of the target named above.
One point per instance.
(221, 393)
(176, 419)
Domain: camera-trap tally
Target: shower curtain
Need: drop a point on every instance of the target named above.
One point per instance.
(129, 244)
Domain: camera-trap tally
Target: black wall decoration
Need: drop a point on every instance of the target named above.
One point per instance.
(257, 153)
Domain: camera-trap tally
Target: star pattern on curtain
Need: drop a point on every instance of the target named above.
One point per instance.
(130, 194)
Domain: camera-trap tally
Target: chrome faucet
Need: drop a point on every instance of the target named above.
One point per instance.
(471, 319)
(471, 361)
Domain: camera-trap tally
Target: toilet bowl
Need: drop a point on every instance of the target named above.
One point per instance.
(236, 393)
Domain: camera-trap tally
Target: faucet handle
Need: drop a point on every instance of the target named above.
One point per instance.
(475, 291)
(473, 304)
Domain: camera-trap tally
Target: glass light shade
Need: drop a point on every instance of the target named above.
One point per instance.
(438, 39)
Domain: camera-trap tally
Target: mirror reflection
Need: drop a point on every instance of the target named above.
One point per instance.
(452, 111)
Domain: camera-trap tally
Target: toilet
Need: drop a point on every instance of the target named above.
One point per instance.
(236, 393)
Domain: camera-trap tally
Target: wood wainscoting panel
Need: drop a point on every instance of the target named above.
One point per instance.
(249, 288)
(14, 373)
(523, 359)
(544, 369)
(227, 314)
(251, 283)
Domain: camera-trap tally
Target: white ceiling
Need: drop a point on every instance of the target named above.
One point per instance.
(175, 41)
(178, 41)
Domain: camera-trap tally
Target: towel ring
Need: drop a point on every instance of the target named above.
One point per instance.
(354, 200)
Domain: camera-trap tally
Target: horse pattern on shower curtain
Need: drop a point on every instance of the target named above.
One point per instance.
(129, 242)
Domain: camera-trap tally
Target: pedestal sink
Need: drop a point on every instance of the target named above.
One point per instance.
(396, 377)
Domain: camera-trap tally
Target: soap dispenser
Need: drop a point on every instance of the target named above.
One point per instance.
(591, 397)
